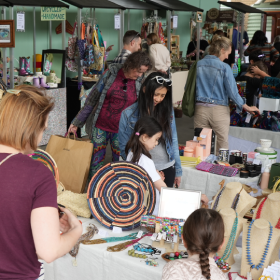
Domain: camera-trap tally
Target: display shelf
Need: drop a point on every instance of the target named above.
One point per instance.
(175, 49)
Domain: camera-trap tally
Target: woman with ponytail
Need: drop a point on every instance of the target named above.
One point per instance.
(203, 237)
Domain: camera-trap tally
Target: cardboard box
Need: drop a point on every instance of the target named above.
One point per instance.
(269, 104)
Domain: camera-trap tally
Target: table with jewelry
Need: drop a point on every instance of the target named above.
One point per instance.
(208, 183)
(95, 262)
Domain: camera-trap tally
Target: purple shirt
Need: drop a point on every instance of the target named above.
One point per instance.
(25, 184)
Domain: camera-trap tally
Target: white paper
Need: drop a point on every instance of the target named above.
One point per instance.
(140, 233)
(117, 21)
(248, 118)
(21, 21)
(255, 120)
(175, 238)
(159, 236)
(256, 161)
(203, 136)
(195, 138)
(164, 236)
(154, 236)
(117, 230)
(102, 233)
(175, 22)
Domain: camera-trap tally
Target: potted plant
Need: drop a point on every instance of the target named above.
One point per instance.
(178, 110)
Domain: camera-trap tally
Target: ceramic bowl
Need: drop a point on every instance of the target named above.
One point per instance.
(265, 143)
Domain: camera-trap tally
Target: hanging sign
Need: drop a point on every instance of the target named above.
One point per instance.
(53, 13)
(21, 21)
(117, 21)
(214, 15)
(175, 22)
(199, 17)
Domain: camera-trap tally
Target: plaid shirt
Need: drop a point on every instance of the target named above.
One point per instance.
(123, 55)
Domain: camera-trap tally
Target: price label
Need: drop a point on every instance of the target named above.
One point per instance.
(256, 161)
(248, 118)
(154, 236)
(117, 230)
(140, 233)
(102, 233)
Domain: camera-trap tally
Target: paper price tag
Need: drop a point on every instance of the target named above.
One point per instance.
(248, 118)
(140, 233)
(117, 230)
(175, 238)
(195, 138)
(102, 233)
(154, 236)
(203, 136)
(255, 120)
(159, 236)
(256, 161)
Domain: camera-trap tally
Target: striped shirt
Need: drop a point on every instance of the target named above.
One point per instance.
(123, 55)
(269, 51)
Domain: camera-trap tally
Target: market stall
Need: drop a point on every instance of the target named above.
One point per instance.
(53, 81)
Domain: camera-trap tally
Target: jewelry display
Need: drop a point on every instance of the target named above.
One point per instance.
(175, 256)
(231, 240)
(249, 258)
(265, 277)
(236, 200)
(258, 215)
(224, 266)
(216, 203)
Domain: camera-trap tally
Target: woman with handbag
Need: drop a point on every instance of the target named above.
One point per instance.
(30, 222)
(117, 89)
(215, 85)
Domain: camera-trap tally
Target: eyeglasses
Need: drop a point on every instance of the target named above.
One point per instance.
(161, 80)
(125, 85)
(137, 35)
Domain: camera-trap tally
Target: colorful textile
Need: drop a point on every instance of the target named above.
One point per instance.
(271, 87)
(100, 139)
(116, 195)
(115, 102)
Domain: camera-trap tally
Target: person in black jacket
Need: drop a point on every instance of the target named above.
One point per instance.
(193, 45)
(275, 64)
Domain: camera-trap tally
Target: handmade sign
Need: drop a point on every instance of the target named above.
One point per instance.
(53, 13)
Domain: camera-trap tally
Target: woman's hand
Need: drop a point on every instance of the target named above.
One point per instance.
(161, 174)
(72, 129)
(177, 182)
(204, 199)
(257, 71)
(251, 109)
(68, 221)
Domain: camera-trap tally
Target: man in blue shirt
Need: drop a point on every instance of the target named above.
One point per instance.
(234, 36)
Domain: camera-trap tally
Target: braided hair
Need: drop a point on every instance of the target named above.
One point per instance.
(203, 234)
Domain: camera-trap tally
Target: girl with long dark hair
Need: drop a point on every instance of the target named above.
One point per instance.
(203, 236)
(155, 100)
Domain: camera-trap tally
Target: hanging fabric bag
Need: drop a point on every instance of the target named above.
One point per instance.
(72, 44)
(99, 52)
(89, 55)
(81, 44)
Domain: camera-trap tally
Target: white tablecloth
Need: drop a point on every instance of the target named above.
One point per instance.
(208, 183)
(95, 262)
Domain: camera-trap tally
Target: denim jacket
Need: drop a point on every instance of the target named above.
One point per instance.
(90, 112)
(128, 120)
(215, 83)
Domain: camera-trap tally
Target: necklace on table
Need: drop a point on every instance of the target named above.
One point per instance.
(91, 230)
(231, 240)
(258, 215)
(234, 203)
(110, 239)
(248, 249)
(123, 246)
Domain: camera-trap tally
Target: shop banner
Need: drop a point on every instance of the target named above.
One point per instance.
(53, 13)
(214, 15)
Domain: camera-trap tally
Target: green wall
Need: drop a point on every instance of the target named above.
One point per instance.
(105, 18)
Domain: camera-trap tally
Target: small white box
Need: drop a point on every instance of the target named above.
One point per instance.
(269, 104)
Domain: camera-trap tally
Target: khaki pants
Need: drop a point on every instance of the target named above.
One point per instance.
(216, 118)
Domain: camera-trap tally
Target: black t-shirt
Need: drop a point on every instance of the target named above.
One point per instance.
(254, 85)
(231, 57)
(192, 46)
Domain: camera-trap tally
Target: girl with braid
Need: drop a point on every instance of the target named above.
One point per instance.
(203, 237)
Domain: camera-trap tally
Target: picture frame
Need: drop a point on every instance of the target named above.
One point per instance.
(7, 33)
(199, 16)
(178, 203)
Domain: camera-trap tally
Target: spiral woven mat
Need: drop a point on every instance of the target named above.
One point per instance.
(48, 161)
(119, 194)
